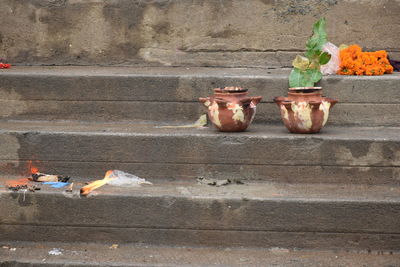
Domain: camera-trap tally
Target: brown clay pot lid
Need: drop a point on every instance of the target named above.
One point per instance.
(231, 89)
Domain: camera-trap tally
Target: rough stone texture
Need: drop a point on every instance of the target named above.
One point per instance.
(29, 254)
(292, 215)
(167, 237)
(250, 207)
(216, 33)
(162, 112)
(338, 155)
(171, 94)
(189, 172)
(178, 84)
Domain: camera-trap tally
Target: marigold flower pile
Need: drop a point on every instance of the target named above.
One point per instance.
(355, 62)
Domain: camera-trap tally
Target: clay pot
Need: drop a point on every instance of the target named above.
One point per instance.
(301, 94)
(305, 110)
(230, 109)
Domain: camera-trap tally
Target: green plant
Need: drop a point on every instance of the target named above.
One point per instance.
(306, 71)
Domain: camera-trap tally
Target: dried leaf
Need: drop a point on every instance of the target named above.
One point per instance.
(301, 62)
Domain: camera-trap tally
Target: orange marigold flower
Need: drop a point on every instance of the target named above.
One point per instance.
(388, 68)
(355, 62)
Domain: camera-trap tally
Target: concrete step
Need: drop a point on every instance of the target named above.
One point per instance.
(171, 94)
(342, 155)
(157, 32)
(91, 255)
(188, 214)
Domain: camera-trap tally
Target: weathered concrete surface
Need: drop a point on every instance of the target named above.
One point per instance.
(162, 112)
(171, 94)
(178, 84)
(356, 155)
(78, 254)
(159, 212)
(215, 238)
(190, 171)
(180, 32)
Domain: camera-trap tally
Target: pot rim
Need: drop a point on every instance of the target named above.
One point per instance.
(316, 93)
(230, 91)
(305, 88)
(286, 101)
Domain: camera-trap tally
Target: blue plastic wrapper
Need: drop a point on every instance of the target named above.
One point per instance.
(57, 184)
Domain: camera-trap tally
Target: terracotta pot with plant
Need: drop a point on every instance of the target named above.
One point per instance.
(230, 109)
(305, 110)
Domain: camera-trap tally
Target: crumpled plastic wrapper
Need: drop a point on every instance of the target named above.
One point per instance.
(116, 178)
(332, 66)
(120, 178)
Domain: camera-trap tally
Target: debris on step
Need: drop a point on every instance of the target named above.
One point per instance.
(17, 184)
(217, 182)
(116, 178)
(92, 186)
(33, 188)
(57, 184)
(56, 181)
(120, 178)
(42, 177)
(21, 184)
(9, 248)
(114, 246)
(18, 187)
(25, 184)
(69, 189)
(4, 65)
(55, 252)
(201, 122)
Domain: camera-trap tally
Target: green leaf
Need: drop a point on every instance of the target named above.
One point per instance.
(307, 82)
(306, 70)
(314, 75)
(319, 27)
(307, 78)
(318, 39)
(324, 58)
(295, 78)
(313, 54)
(309, 53)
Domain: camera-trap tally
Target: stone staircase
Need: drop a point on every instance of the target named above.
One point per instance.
(337, 190)
(327, 199)
(171, 94)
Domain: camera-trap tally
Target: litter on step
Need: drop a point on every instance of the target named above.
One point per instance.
(115, 178)
(216, 182)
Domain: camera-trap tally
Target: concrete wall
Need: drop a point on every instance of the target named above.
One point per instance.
(186, 32)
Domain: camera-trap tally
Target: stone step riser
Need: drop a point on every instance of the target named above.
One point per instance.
(86, 96)
(178, 84)
(343, 114)
(158, 32)
(274, 157)
(177, 237)
(201, 221)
